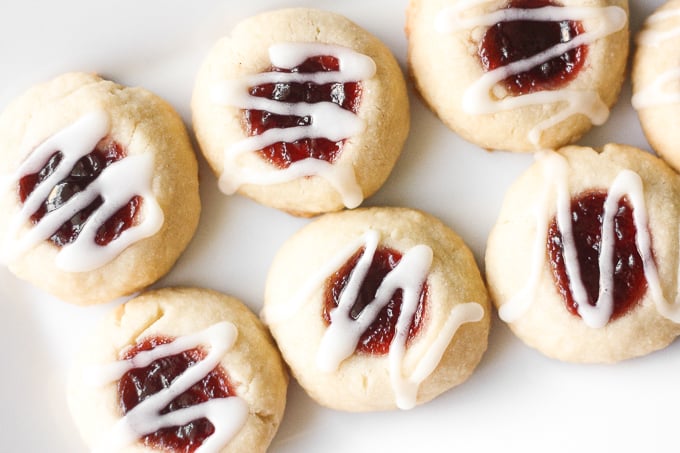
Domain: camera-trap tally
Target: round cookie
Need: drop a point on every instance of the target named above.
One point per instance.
(608, 217)
(655, 76)
(98, 186)
(301, 110)
(377, 308)
(519, 75)
(194, 339)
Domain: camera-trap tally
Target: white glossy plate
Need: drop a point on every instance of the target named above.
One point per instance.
(517, 400)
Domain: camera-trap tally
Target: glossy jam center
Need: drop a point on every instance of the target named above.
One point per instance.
(84, 172)
(507, 42)
(630, 283)
(379, 335)
(282, 154)
(138, 384)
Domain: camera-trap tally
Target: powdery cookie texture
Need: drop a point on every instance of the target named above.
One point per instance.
(98, 188)
(377, 309)
(202, 354)
(655, 75)
(583, 260)
(301, 110)
(518, 75)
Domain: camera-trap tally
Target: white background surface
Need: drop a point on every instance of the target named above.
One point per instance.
(516, 401)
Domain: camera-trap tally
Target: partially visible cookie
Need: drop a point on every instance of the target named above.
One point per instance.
(301, 110)
(656, 78)
(583, 260)
(202, 354)
(98, 188)
(377, 308)
(519, 75)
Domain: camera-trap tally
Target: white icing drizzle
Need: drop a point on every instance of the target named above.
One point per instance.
(283, 312)
(117, 184)
(656, 37)
(342, 335)
(328, 120)
(628, 184)
(656, 93)
(406, 387)
(477, 99)
(228, 415)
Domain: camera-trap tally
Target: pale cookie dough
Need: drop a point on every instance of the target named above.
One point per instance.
(224, 326)
(444, 39)
(519, 264)
(374, 136)
(72, 115)
(326, 358)
(655, 76)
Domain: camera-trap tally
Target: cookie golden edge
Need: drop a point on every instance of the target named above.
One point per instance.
(442, 67)
(143, 123)
(546, 325)
(253, 363)
(362, 382)
(384, 106)
(650, 62)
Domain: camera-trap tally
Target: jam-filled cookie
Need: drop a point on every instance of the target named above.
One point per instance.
(583, 261)
(301, 110)
(377, 308)
(98, 188)
(656, 75)
(179, 370)
(518, 75)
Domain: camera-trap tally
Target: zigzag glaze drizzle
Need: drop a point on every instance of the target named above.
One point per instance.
(628, 184)
(477, 99)
(116, 185)
(328, 120)
(342, 335)
(227, 415)
(656, 92)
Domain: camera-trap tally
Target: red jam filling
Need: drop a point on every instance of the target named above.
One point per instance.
(630, 283)
(140, 383)
(507, 42)
(84, 172)
(283, 154)
(379, 335)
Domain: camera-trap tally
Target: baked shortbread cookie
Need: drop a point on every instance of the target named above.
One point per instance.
(656, 75)
(175, 370)
(301, 110)
(377, 308)
(583, 260)
(518, 75)
(98, 188)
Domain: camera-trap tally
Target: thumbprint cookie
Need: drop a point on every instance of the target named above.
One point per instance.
(179, 370)
(377, 309)
(656, 79)
(301, 110)
(98, 188)
(583, 261)
(518, 75)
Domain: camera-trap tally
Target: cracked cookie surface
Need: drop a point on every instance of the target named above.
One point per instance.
(248, 375)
